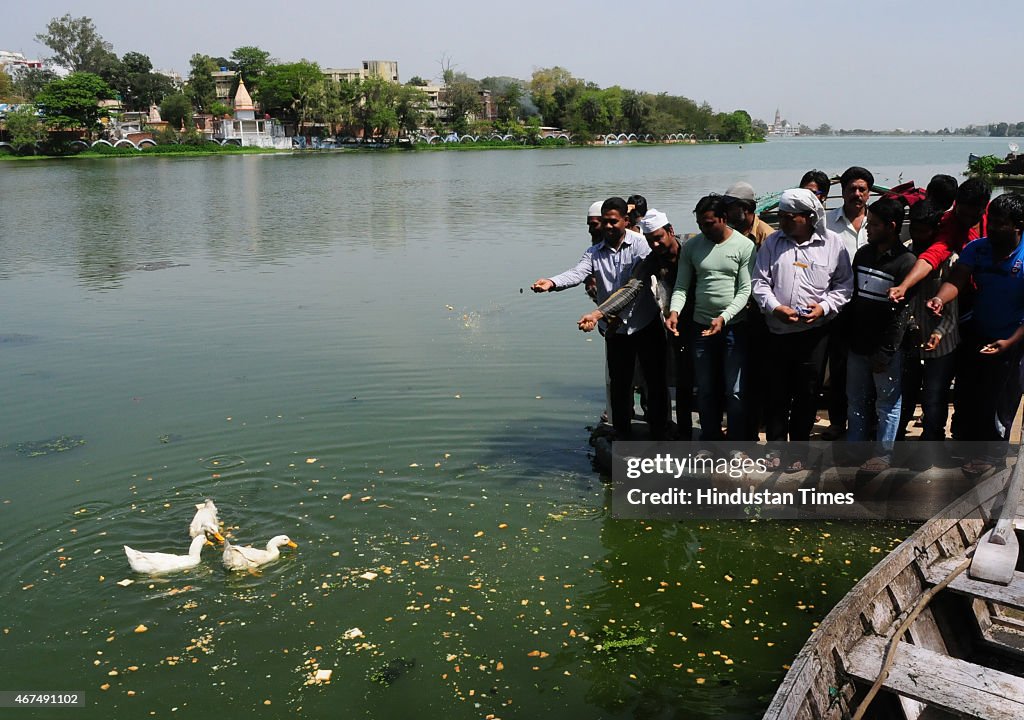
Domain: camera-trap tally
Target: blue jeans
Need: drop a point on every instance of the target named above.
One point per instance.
(718, 372)
(874, 393)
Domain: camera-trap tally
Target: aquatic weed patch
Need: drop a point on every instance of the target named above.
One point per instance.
(391, 671)
(38, 448)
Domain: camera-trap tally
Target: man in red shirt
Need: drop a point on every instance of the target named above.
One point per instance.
(956, 230)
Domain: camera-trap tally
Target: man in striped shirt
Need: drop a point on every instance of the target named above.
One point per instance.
(876, 329)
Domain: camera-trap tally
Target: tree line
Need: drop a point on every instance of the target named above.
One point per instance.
(300, 94)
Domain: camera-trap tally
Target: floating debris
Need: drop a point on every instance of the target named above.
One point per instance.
(61, 443)
(391, 671)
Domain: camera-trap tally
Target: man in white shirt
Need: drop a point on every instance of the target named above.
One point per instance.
(849, 222)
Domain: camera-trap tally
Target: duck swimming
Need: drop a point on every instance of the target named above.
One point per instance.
(206, 521)
(156, 563)
(244, 557)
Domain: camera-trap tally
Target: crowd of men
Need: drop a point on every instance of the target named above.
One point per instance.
(900, 299)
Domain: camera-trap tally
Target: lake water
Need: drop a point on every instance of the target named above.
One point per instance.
(339, 348)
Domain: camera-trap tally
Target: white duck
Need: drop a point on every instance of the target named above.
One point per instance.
(206, 521)
(245, 557)
(156, 563)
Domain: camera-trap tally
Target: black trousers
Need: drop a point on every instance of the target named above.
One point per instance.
(622, 351)
(795, 360)
(838, 349)
(683, 364)
(989, 392)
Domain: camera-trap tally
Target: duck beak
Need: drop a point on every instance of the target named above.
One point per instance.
(292, 544)
(209, 543)
(220, 538)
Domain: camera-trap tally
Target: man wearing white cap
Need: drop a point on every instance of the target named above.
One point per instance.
(639, 335)
(656, 274)
(594, 228)
(802, 279)
(741, 212)
(594, 222)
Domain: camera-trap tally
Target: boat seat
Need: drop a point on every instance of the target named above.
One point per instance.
(1011, 595)
(940, 681)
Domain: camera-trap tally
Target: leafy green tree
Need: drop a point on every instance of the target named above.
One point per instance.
(29, 81)
(290, 89)
(531, 130)
(635, 111)
(590, 116)
(508, 94)
(76, 44)
(176, 110)
(135, 82)
(551, 90)
(375, 113)
(251, 63)
(461, 95)
(24, 128)
(736, 127)
(417, 81)
(410, 106)
(7, 91)
(200, 88)
(219, 109)
(73, 102)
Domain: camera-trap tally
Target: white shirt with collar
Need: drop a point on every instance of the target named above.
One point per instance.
(837, 222)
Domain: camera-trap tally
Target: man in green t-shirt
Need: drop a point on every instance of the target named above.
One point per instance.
(714, 273)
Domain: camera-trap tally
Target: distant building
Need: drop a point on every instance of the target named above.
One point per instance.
(223, 79)
(174, 76)
(438, 106)
(385, 69)
(12, 60)
(781, 128)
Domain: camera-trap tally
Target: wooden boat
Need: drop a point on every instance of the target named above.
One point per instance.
(963, 656)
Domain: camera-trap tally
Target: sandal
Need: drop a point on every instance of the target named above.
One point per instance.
(875, 465)
(976, 467)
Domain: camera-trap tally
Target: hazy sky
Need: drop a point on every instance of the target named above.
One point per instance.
(870, 64)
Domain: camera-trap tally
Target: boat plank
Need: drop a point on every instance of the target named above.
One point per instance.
(1011, 595)
(944, 682)
(808, 690)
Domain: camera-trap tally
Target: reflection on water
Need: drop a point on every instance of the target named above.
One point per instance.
(336, 348)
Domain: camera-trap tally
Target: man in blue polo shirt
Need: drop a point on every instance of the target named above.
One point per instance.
(989, 385)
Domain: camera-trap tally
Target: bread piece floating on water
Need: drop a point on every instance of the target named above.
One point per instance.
(246, 557)
(157, 563)
(206, 521)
